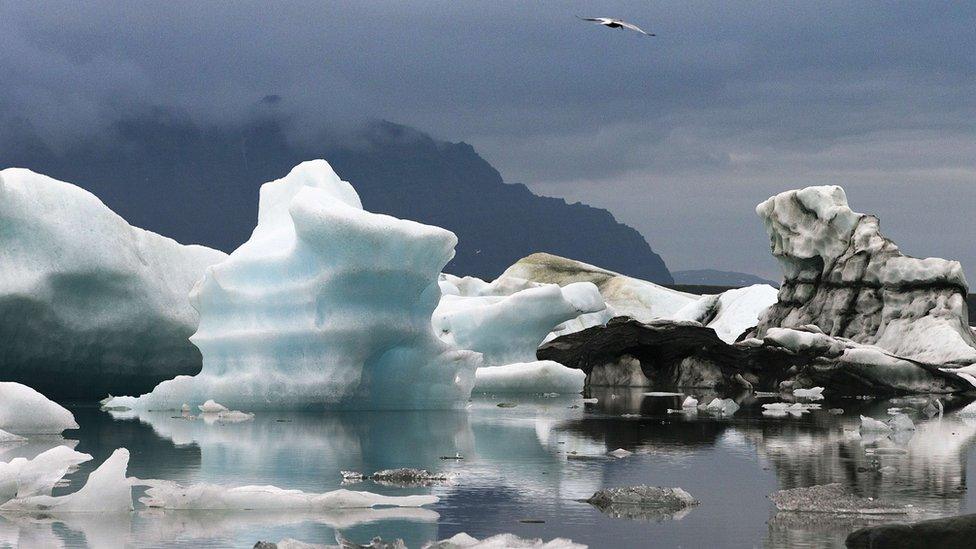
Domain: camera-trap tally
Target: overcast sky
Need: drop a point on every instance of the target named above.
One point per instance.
(679, 135)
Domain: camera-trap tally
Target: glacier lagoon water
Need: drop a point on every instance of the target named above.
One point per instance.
(531, 462)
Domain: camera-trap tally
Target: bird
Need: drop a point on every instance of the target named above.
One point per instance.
(611, 23)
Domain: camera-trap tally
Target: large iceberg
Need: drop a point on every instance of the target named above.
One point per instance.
(87, 297)
(325, 306)
(842, 275)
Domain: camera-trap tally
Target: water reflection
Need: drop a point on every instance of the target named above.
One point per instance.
(535, 461)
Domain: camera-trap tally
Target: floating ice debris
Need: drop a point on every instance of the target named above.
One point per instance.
(831, 498)
(901, 422)
(185, 408)
(894, 411)
(968, 411)
(620, 453)
(211, 407)
(542, 376)
(662, 394)
(836, 411)
(816, 393)
(501, 541)
(643, 502)
(590, 400)
(886, 451)
(352, 476)
(234, 416)
(871, 425)
(630, 415)
(6, 437)
(37, 477)
(24, 411)
(170, 495)
(456, 456)
(933, 408)
(722, 406)
(107, 491)
(506, 405)
(407, 477)
(690, 402)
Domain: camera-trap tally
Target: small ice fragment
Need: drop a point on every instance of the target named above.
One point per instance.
(352, 476)
(776, 406)
(620, 453)
(6, 437)
(723, 406)
(836, 411)
(185, 408)
(234, 416)
(590, 400)
(815, 393)
(661, 394)
(690, 402)
(871, 425)
(211, 407)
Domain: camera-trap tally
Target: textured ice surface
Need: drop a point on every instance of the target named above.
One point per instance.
(22, 477)
(107, 491)
(6, 438)
(326, 305)
(24, 411)
(509, 328)
(843, 275)
(814, 393)
(170, 495)
(626, 296)
(871, 425)
(732, 312)
(831, 498)
(543, 376)
(90, 305)
(722, 406)
(501, 541)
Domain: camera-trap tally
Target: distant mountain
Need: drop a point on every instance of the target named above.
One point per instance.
(199, 185)
(711, 277)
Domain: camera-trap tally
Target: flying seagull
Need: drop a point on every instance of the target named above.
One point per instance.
(616, 24)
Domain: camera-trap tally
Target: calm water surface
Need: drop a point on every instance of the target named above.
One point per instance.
(533, 461)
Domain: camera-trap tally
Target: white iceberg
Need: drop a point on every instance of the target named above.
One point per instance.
(7, 438)
(22, 477)
(871, 425)
(107, 491)
(732, 312)
(211, 407)
(509, 328)
(24, 411)
(543, 376)
(170, 495)
(325, 306)
(815, 393)
(722, 406)
(501, 541)
(90, 305)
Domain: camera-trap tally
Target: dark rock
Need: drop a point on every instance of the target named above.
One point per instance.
(946, 533)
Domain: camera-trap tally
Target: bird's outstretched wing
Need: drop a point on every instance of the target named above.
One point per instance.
(594, 19)
(632, 27)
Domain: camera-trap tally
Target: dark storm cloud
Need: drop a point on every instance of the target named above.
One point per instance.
(680, 135)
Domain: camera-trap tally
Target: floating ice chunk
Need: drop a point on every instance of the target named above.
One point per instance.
(968, 411)
(232, 416)
(107, 491)
(722, 406)
(590, 400)
(643, 502)
(408, 477)
(871, 425)
(831, 498)
(816, 393)
(620, 453)
(6, 437)
(501, 541)
(690, 402)
(352, 476)
(24, 411)
(22, 477)
(543, 376)
(901, 422)
(170, 495)
(211, 407)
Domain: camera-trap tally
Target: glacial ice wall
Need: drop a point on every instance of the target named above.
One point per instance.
(87, 297)
(325, 306)
(842, 275)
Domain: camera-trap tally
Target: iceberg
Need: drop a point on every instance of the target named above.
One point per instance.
(509, 328)
(22, 477)
(731, 312)
(543, 376)
(88, 298)
(170, 495)
(501, 541)
(107, 491)
(325, 306)
(24, 411)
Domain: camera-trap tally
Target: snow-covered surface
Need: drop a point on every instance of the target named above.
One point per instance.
(170, 495)
(24, 411)
(85, 297)
(106, 491)
(326, 305)
(844, 276)
(509, 328)
(871, 425)
(543, 376)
